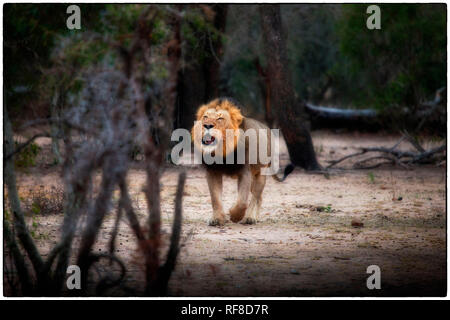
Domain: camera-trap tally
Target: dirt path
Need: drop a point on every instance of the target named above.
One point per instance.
(304, 243)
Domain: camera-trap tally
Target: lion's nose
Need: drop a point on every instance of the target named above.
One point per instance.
(208, 126)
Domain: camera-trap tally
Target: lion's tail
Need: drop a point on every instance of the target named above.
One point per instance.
(289, 168)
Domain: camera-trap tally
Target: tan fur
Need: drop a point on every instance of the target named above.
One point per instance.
(223, 114)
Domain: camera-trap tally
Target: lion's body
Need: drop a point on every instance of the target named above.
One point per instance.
(233, 169)
(222, 114)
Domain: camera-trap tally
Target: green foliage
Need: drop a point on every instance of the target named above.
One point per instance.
(44, 202)
(35, 208)
(35, 234)
(7, 215)
(329, 47)
(34, 227)
(118, 20)
(398, 66)
(327, 208)
(312, 47)
(243, 44)
(27, 157)
(371, 177)
(30, 33)
(59, 72)
(197, 31)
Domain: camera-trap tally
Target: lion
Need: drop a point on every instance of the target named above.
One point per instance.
(210, 138)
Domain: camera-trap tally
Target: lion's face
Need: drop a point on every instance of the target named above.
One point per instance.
(210, 130)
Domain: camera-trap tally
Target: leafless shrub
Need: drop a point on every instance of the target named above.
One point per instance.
(99, 133)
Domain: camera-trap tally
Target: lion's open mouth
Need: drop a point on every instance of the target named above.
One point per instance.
(208, 140)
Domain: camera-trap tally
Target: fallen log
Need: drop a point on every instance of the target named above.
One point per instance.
(335, 113)
(428, 115)
(329, 117)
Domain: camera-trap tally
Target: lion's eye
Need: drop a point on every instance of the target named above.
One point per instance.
(220, 119)
(205, 117)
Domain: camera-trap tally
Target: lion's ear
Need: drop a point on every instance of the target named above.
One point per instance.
(200, 112)
(236, 116)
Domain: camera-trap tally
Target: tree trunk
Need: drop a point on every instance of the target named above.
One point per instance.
(198, 81)
(55, 127)
(215, 49)
(264, 85)
(290, 114)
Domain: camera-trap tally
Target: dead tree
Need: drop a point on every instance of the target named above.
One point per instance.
(290, 114)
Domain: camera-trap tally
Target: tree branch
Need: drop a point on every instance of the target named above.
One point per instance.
(393, 154)
(167, 269)
(19, 262)
(13, 196)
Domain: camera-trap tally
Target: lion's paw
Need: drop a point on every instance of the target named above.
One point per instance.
(249, 220)
(237, 212)
(216, 222)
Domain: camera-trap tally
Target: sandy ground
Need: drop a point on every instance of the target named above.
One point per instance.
(304, 243)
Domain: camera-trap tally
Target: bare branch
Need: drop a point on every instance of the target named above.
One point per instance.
(395, 156)
(167, 269)
(96, 215)
(132, 218)
(25, 144)
(427, 154)
(334, 162)
(19, 262)
(413, 141)
(107, 281)
(13, 196)
(112, 241)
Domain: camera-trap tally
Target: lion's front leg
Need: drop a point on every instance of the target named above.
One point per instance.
(238, 210)
(258, 183)
(214, 180)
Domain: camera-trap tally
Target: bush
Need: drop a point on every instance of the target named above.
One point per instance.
(27, 157)
(398, 66)
(44, 202)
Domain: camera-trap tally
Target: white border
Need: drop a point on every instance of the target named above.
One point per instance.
(217, 298)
